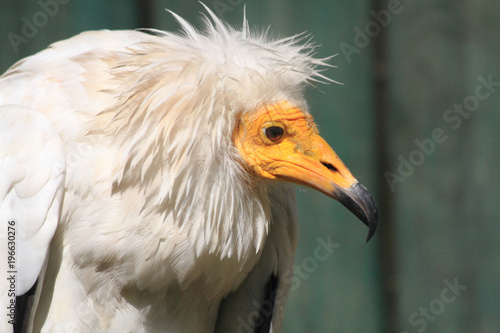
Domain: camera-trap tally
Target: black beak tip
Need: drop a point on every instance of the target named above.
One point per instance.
(361, 203)
(371, 213)
(372, 228)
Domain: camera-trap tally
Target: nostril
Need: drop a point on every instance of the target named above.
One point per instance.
(330, 167)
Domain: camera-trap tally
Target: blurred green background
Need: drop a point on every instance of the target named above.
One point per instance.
(416, 120)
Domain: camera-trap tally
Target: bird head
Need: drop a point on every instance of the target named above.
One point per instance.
(281, 142)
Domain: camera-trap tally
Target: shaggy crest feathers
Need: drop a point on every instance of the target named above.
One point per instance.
(189, 79)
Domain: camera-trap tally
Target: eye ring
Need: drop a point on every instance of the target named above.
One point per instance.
(273, 133)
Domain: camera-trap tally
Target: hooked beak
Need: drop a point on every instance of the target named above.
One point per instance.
(321, 169)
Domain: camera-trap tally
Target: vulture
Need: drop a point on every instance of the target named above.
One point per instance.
(147, 179)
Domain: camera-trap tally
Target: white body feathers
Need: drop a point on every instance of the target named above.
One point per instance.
(32, 167)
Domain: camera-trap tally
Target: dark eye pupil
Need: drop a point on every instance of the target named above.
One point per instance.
(274, 133)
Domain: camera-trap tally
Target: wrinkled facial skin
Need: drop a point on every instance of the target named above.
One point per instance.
(299, 155)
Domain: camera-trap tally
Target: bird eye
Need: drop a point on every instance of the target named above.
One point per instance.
(274, 133)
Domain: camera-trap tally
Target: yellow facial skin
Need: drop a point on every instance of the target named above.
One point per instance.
(299, 155)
